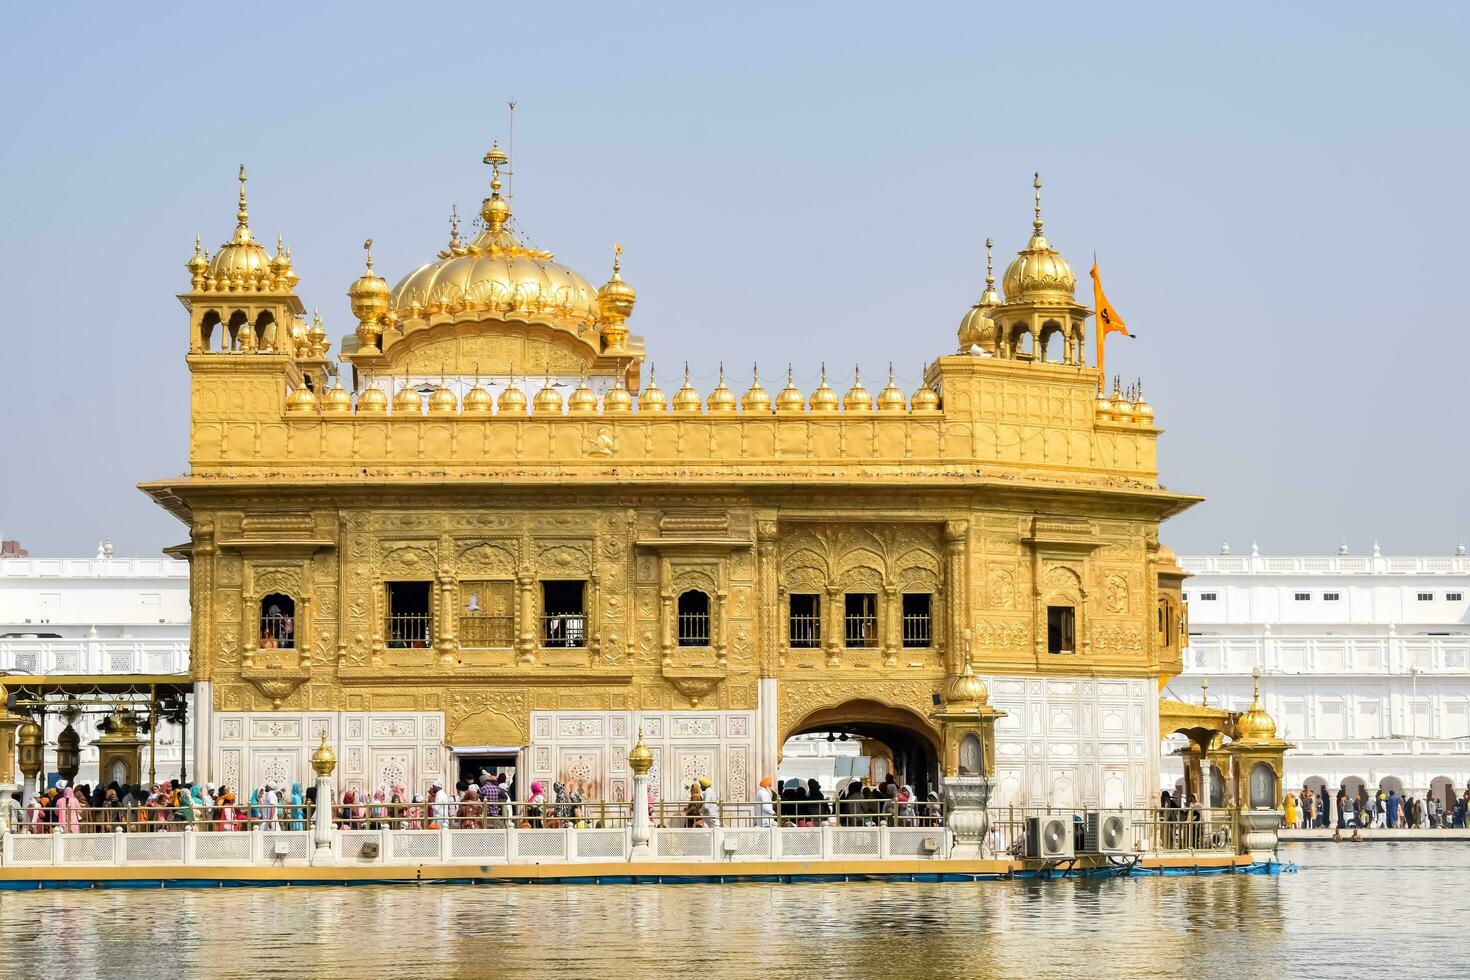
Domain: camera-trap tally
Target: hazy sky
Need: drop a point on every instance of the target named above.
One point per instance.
(1277, 194)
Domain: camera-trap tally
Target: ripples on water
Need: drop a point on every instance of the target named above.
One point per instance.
(1350, 911)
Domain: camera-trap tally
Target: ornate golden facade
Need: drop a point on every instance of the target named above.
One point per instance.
(1023, 505)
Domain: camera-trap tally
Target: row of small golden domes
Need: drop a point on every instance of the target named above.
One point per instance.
(617, 400)
(1125, 406)
(242, 264)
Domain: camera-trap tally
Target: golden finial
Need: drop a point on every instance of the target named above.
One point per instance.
(367, 247)
(454, 226)
(989, 264)
(617, 258)
(1036, 183)
(242, 215)
(1204, 692)
(199, 245)
(1256, 685)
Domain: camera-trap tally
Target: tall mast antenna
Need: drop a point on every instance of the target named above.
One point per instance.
(510, 150)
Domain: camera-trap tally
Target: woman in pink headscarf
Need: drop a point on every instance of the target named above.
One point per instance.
(534, 806)
(397, 802)
(69, 812)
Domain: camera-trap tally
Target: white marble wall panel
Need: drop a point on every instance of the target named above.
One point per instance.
(592, 747)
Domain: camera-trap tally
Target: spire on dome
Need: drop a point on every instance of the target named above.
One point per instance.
(242, 216)
(1036, 183)
(496, 209)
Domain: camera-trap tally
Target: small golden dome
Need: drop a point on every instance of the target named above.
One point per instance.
(372, 401)
(1038, 272)
(617, 401)
(1142, 410)
(824, 399)
(241, 263)
(755, 399)
(891, 399)
(442, 400)
(197, 263)
(512, 400)
(722, 399)
(991, 297)
(323, 760)
(1104, 407)
(640, 756)
(977, 329)
(316, 336)
(477, 400)
(547, 400)
(1166, 555)
(926, 399)
(301, 401)
(652, 398)
(686, 399)
(1255, 725)
(583, 400)
(790, 401)
(337, 401)
(1122, 405)
(857, 398)
(408, 401)
(369, 293)
(615, 298)
(966, 689)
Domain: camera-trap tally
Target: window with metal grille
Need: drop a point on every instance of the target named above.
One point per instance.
(805, 624)
(1302, 596)
(918, 623)
(1061, 624)
(1331, 596)
(860, 619)
(277, 622)
(1208, 597)
(409, 620)
(1426, 596)
(1454, 596)
(487, 614)
(693, 611)
(564, 614)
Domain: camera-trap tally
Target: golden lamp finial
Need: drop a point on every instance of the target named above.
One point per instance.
(243, 215)
(367, 247)
(1036, 183)
(1204, 692)
(1256, 686)
(617, 259)
(454, 226)
(989, 264)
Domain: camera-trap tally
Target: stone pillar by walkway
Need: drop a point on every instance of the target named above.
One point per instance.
(640, 760)
(323, 760)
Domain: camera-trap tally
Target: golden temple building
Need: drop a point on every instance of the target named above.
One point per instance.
(485, 536)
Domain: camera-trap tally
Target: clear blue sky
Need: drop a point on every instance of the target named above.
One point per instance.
(1277, 193)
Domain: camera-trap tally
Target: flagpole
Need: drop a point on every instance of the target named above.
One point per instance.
(1098, 325)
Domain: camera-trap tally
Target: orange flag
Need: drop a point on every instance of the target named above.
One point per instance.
(1108, 321)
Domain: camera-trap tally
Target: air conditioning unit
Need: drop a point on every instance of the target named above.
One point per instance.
(1106, 833)
(1049, 837)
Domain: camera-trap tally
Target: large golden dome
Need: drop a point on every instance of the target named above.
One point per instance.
(242, 261)
(1038, 272)
(495, 274)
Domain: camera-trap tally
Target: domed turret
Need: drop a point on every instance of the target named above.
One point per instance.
(547, 400)
(370, 301)
(966, 689)
(372, 401)
(477, 400)
(197, 265)
(1038, 272)
(442, 400)
(1142, 410)
(512, 400)
(1255, 725)
(824, 399)
(790, 401)
(241, 263)
(926, 399)
(891, 399)
(614, 305)
(583, 400)
(1122, 404)
(755, 400)
(617, 401)
(408, 401)
(301, 401)
(1104, 407)
(337, 401)
(686, 399)
(722, 399)
(652, 398)
(857, 398)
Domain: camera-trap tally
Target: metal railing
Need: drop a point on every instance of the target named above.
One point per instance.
(1152, 830)
(804, 631)
(277, 631)
(694, 629)
(409, 630)
(918, 630)
(564, 630)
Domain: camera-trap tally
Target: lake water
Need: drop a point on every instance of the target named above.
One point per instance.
(1350, 911)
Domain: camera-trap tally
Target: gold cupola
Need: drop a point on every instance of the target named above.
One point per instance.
(755, 399)
(977, 329)
(891, 399)
(824, 399)
(512, 400)
(241, 263)
(495, 276)
(614, 305)
(197, 265)
(408, 401)
(857, 398)
(301, 401)
(370, 301)
(1255, 725)
(1122, 403)
(372, 401)
(1142, 410)
(442, 400)
(790, 401)
(926, 399)
(583, 400)
(652, 398)
(477, 400)
(722, 399)
(617, 401)
(1104, 406)
(547, 400)
(1038, 272)
(337, 400)
(686, 399)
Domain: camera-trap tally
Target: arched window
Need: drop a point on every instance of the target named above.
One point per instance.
(693, 619)
(277, 622)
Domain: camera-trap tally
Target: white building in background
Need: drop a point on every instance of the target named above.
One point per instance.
(1365, 661)
(96, 616)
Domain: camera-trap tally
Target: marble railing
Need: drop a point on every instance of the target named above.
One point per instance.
(1327, 654)
(94, 656)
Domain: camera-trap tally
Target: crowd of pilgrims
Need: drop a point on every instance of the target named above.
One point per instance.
(1383, 810)
(487, 803)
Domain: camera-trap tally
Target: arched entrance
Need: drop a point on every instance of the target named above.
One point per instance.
(884, 737)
